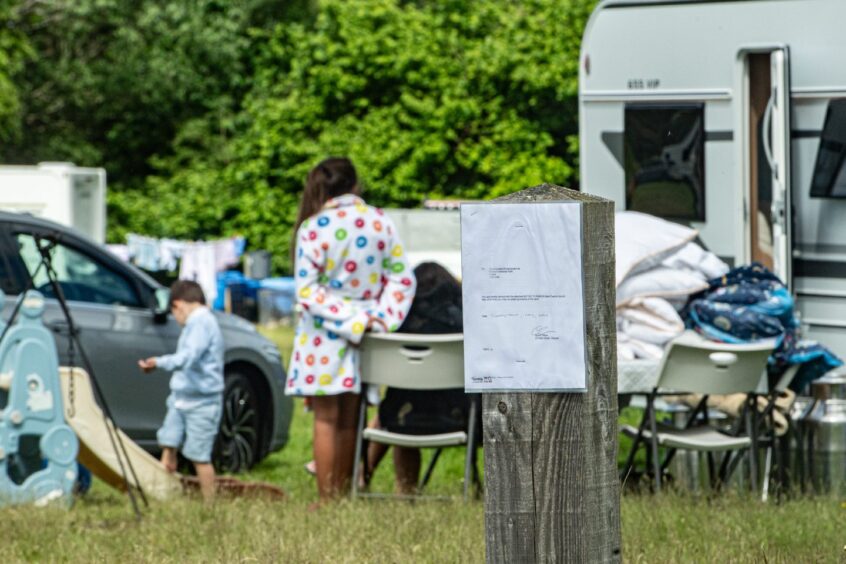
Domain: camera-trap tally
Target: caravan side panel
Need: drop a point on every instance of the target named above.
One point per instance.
(41, 193)
(642, 52)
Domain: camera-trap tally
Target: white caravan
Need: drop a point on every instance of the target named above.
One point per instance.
(432, 234)
(729, 116)
(61, 192)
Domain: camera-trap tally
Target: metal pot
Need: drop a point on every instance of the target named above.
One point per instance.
(825, 431)
(797, 461)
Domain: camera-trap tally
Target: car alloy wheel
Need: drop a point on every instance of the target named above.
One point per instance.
(237, 444)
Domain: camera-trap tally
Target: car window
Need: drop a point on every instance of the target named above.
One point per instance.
(10, 282)
(81, 277)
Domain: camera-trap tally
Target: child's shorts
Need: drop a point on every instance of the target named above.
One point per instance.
(193, 430)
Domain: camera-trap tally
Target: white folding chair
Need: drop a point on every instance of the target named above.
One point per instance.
(414, 362)
(772, 390)
(692, 364)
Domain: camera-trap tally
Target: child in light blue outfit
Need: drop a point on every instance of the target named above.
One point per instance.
(195, 402)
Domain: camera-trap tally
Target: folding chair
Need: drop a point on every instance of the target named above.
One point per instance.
(415, 362)
(692, 364)
(770, 389)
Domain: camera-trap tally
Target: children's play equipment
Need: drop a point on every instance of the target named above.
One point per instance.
(96, 451)
(37, 449)
(45, 413)
(50, 419)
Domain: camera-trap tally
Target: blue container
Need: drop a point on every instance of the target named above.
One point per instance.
(280, 284)
(226, 280)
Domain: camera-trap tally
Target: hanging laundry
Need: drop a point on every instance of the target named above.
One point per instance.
(199, 263)
(164, 254)
(226, 253)
(170, 251)
(240, 245)
(144, 251)
(120, 251)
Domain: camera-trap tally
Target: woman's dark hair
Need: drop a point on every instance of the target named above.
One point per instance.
(187, 291)
(436, 307)
(331, 178)
(430, 275)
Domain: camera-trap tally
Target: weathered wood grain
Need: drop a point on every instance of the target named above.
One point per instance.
(552, 493)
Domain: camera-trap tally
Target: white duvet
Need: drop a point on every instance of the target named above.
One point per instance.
(658, 268)
(644, 326)
(643, 241)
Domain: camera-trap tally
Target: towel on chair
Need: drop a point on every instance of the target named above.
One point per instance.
(732, 405)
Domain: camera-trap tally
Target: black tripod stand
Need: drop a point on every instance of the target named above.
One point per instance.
(45, 246)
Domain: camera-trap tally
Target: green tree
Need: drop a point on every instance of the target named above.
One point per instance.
(454, 98)
(14, 50)
(112, 82)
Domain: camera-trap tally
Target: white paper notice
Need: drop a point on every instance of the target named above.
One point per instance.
(524, 320)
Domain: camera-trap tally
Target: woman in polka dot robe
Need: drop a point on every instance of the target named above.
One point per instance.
(352, 276)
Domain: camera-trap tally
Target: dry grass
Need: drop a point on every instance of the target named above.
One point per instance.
(101, 528)
(670, 528)
(731, 528)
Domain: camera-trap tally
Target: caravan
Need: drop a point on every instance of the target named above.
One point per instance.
(62, 192)
(728, 116)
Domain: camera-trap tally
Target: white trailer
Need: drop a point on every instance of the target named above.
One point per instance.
(729, 116)
(61, 192)
(430, 235)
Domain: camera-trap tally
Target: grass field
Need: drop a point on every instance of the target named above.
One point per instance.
(669, 528)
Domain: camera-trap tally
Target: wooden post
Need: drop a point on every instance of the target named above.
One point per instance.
(552, 491)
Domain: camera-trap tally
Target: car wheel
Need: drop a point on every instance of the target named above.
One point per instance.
(237, 445)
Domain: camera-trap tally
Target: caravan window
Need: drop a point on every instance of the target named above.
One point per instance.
(664, 155)
(829, 180)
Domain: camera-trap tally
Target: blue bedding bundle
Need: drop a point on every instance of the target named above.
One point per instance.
(750, 303)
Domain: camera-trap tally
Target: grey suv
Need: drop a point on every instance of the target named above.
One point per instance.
(121, 315)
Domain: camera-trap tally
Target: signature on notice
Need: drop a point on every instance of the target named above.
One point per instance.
(543, 333)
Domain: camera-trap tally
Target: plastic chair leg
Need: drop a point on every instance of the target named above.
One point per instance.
(471, 445)
(768, 466)
(359, 443)
(630, 459)
(429, 469)
(753, 449)
(656, 459)
(477, 482)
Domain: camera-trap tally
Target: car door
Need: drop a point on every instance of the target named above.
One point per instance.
(113, 314)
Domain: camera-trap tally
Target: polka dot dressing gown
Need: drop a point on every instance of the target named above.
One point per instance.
(349, 265)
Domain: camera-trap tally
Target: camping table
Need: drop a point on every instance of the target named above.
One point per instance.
(637, 376)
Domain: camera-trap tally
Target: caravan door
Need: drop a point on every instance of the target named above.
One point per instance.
(768, 156)
(777, 149)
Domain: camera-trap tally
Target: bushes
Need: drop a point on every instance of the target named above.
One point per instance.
(208, 114)
(14, 50)
(430, 99)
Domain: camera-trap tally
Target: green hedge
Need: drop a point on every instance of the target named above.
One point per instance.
(207, 114)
